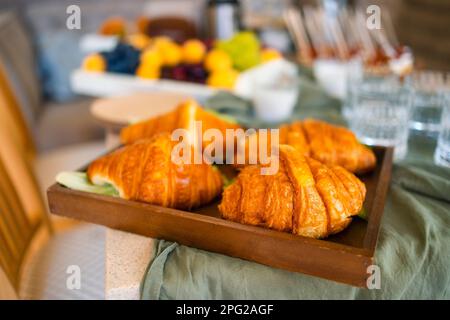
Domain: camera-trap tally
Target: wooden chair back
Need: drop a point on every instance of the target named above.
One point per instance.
(16, 229)
(15, 121)
(22, 209)
(7, 291)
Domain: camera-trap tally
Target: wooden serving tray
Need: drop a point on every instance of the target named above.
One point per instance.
(343, 257)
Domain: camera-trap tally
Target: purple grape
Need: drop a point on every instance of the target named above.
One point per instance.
(180, 73)
(197, 73)
(166, 73)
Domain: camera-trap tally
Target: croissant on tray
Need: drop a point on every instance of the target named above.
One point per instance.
(304, 197)
(329, 144)
(183, 117)
(145, 171)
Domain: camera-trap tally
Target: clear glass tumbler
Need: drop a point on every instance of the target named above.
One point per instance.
(355, 78)
(355, 74)
(427, 102)
(380, 112)
(442, 153)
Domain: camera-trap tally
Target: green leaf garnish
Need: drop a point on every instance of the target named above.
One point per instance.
(363, 214)
(79, 181)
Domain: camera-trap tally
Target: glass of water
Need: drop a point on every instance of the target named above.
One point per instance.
(442, 153)
(354, 75)
(380, 112)
(427, 102)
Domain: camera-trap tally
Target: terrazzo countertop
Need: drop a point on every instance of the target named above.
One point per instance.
(127, 257)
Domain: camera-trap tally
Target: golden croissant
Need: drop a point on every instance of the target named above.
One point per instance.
(183, 117)
(144, 171)
(305, 197)
(329, 144)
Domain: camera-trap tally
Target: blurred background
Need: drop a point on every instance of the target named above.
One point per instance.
(47, 52)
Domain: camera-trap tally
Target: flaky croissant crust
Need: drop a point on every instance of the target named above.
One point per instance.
(183, 117)
(329, 144)
(305, 197)
(144, 171)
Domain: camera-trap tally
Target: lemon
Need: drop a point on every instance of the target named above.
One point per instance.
(217, 59)
(161, 41)
(151, 57)
(146, 71)
(94, 62)
(170, 52)
(224, 79)
(193, 51)
(269, 54)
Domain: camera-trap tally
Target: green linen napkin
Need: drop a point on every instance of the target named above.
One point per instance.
(413, 251)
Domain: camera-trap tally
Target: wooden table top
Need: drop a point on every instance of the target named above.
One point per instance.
(123, 110)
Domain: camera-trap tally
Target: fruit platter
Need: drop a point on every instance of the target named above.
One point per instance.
(193, 66)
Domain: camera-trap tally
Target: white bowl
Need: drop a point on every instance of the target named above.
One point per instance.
(332, 75)
(274, 105)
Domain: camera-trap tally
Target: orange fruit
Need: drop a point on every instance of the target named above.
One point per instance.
(193, 51)
(146, 71)
(160, 41)
(142, 24)
(151, 57)
(139, 40)
(171, 53)
(113, 26)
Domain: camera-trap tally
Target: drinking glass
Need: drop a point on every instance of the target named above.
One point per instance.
(380, 111)
(427, 102)
(442, 153)
(355, 75)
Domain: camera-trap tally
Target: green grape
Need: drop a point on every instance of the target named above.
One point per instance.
(243, 48)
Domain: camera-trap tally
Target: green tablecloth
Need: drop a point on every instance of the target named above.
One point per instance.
(413, 251)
